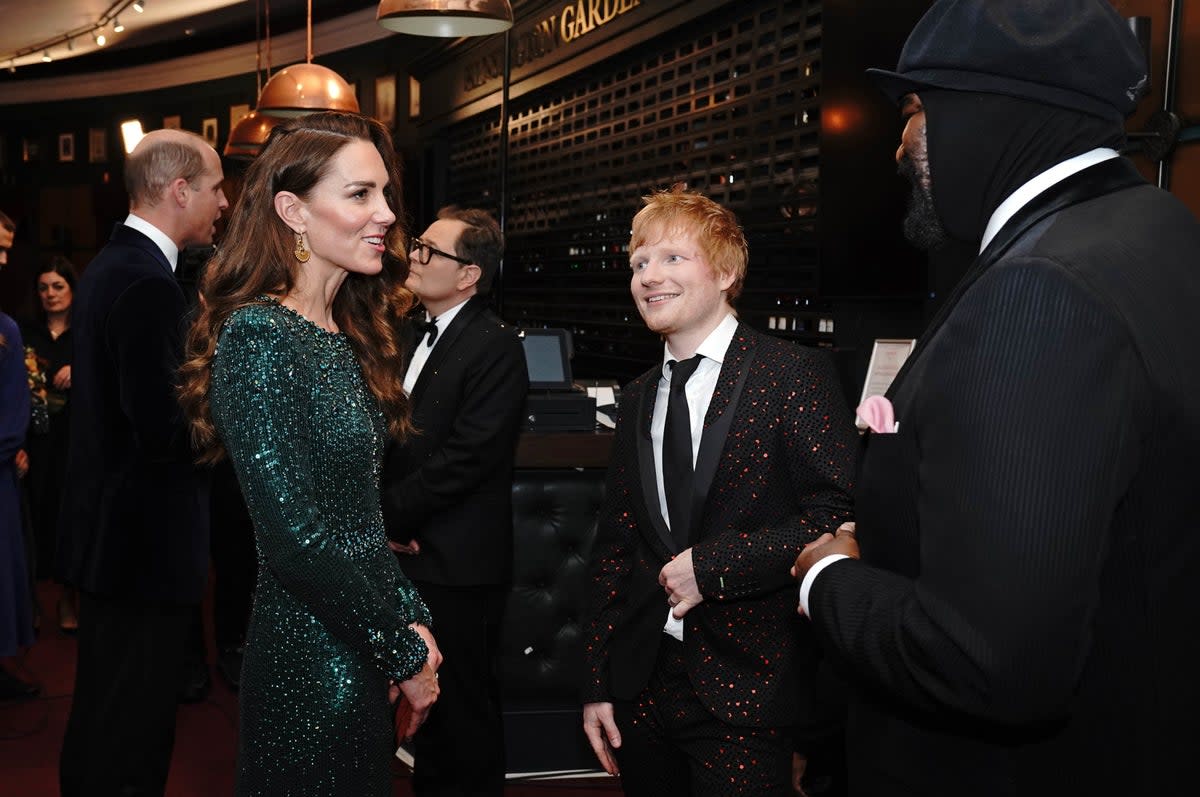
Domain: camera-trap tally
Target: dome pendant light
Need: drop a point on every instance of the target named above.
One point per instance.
(305, 88)
(446, 18)
(248, 136)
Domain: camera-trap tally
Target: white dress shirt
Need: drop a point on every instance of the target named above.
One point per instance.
(424, 349)
(160, 239)
(699, 391)
(1023, 195)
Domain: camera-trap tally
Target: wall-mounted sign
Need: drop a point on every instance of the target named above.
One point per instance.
(571, 22)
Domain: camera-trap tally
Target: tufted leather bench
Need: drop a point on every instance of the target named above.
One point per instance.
(554, 526)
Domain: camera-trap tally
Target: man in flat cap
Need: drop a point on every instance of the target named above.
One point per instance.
(1023, 618)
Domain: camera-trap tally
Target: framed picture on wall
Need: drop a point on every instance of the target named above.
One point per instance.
(97, 145)
(171, 123)
(414, 98)
(209, 131)
(237, 113)
(66, 147)
(29, 149)
(385, 100)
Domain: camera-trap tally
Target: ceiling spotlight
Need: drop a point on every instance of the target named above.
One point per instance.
(117, 26)
(70, 44)
(139, 6)
(46, 56)
(12, 67)
(100, 38)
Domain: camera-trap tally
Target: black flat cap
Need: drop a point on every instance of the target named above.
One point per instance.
(1077, 54)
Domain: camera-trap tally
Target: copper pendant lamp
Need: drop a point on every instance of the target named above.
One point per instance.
(248, 136)
(446, 18)
(305, 88)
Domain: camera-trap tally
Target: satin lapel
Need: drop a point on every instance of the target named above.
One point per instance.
(719, 419)
(646, 469)
(445, 343)
(1106, 177)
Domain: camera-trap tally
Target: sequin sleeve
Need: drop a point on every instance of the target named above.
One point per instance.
(814, 439)
(613, 554)
(260, 396)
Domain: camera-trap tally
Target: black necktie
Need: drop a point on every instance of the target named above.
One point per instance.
(677, 451)
(429, 327)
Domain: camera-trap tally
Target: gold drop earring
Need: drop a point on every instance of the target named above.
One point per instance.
(301, 252)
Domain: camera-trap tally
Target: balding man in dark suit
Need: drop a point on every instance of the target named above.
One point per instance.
(134, 524)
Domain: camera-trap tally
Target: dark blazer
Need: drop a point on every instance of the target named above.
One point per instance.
(773, 473)
(1023, 620)
(135, 510)
(449, 486)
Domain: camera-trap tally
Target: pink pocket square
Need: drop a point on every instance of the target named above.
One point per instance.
(876, 414)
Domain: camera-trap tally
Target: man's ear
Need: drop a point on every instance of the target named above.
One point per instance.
(468, 276)
(726, 280)
(291, 209)
(180, 192)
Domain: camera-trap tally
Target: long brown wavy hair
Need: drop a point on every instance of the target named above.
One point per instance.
(256, 258)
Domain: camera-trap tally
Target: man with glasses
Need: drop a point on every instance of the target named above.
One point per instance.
(447, 492)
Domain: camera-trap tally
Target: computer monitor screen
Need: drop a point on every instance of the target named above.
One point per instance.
(547, 358)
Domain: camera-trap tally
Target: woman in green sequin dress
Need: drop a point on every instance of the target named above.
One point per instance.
(295, 373)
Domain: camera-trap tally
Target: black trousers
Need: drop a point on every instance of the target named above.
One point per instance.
(672, 746)
(459, 751)
(121, 729)
(234, 561)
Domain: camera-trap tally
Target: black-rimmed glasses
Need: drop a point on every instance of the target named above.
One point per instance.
(424, 252)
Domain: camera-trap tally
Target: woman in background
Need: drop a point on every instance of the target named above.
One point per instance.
(294, 371)
(50, 339)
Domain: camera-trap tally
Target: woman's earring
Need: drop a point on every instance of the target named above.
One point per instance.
(301, 252)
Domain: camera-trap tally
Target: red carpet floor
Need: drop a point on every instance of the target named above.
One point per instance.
(206, 737)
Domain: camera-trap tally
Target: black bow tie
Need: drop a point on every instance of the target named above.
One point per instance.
(428, 327)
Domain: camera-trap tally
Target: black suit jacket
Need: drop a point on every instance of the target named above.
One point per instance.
(134, 518)
(1023, 620)
(449, 486)
(773, 472)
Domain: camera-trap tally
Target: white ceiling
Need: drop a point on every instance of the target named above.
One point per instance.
(30, 24)
(172, 43)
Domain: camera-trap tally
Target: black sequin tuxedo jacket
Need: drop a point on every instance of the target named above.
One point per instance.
(450, 484)
(772, 473)
(134, 520)
(1025, 616)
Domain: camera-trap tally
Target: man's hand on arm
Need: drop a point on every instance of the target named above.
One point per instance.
(842, 544)
(601, 730)
(678, 579)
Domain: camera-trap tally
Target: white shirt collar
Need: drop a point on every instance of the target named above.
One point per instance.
(714, 346)
(1023, 195)
(445, 318)
(160, 238)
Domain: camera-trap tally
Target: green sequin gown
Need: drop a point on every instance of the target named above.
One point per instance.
(331, 607)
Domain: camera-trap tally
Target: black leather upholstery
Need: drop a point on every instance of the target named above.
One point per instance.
(554, 525)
